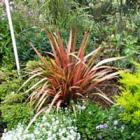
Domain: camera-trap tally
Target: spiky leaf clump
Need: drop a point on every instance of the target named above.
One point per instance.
(70, 74)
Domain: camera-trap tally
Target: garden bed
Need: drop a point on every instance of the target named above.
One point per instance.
(80, 70)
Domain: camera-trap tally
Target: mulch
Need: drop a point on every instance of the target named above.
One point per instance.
(110, 89)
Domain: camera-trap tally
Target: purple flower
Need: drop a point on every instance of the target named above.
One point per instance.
(102, 126)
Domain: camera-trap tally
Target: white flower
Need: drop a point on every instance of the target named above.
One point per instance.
(115, 122)
(122, 128)
(51, 127)
(91, 5)
(90, 112)
(81, 107)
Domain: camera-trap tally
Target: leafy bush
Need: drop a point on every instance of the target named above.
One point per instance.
(31, 65)
(37, 38)
(10, 83)
(130, 97)
(115, 128)
(13, 114)
(55, 126)
(13, 108)
(88, 117)
(127, 46)
(96, 123)
(13, 98)
(6, 56)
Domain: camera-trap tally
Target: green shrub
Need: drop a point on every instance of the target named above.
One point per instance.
(96, 123)
(13, 114)
(9, 84)
(13, 106)
(13, 98)
(127, 45)
(6, 56)
(30, 65)
(38, 39)
(130, 97)
(88, 118)
(116, 129)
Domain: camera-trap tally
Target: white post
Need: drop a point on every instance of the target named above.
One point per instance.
(12, 35)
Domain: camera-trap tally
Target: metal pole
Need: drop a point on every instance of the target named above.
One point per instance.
(12, 35)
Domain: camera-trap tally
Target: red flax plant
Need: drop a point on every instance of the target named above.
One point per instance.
(70, 75)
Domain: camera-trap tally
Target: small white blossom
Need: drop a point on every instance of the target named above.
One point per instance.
(50, 127)
(115, 122)
(81, 107)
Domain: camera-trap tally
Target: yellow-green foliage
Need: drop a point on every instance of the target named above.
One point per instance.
(130, 97)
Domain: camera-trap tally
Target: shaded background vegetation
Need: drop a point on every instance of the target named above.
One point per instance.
(112, 24)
